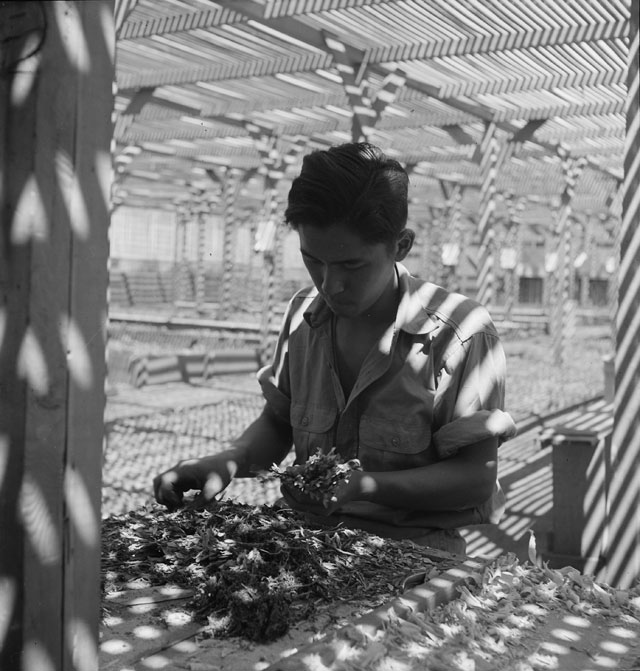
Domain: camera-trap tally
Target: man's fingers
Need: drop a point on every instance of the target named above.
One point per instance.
(167, 490)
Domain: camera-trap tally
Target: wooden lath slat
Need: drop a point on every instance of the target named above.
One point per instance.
(164, 25)
(503, 64)
(375, 55)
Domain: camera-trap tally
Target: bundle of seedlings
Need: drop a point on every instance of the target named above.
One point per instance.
(255, 570)
(318, 477)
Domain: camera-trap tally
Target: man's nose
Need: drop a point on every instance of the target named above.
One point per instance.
(332, 282)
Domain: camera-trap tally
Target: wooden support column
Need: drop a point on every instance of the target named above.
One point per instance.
(56, 103)
(562, 305)
(585, 261)
(488, 156)
(229, 181)
(199, 210)
(510, 255)
(181, 279)
(623, 538)
(615, 214)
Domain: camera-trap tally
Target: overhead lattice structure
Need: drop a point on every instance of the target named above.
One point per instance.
(426, 80)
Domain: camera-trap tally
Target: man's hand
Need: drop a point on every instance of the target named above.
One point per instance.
(347, 490)
(210, 475)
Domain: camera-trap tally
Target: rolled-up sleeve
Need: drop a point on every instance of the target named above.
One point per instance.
(470, 395)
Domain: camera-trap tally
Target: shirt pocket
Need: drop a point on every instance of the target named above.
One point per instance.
(392, 445)
(312, 429)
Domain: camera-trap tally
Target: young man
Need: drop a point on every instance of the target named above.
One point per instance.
(398, 373)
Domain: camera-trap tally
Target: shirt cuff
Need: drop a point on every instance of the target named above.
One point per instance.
(472, 429)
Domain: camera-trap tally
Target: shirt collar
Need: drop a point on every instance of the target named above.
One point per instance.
(412, 315)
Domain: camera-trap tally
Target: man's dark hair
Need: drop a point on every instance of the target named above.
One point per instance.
(352, 185)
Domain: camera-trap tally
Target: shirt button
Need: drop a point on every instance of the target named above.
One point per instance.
(305, 421)
(395, 442)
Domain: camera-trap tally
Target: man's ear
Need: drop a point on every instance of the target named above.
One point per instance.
(404, 243)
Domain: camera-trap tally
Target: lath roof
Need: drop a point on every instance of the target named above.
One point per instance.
(191, 74)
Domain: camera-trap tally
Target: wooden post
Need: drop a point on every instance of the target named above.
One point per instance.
(179, 254)
(56, 103)
(488, 156)
(623, 538)
(201, 211)
(588, 263)
(563, 308)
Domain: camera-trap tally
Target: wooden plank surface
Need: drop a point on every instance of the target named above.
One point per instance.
(57, 102)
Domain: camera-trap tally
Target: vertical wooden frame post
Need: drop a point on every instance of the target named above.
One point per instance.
(489, 158)
(201, 214)
(229, 187)
(623, 537)
(562, 305)
(586, 268)
(56, 102)
(179, 282)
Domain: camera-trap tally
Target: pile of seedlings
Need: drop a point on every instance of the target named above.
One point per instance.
(255, 570)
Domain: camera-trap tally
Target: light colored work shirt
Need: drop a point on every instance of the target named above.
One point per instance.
(434, 382)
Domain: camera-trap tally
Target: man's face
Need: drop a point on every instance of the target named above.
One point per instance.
(350, 274)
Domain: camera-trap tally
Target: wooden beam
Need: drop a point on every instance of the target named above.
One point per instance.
(55, 111)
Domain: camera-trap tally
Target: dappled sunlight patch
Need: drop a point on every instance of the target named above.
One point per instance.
(80, 508)
(36, 656)
(147, 632)
(76, 48)
(30, 221)
(39, 523)
(32, 364)
(78, 357)
(116, 646)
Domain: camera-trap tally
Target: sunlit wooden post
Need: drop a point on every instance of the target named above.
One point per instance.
(222, 177)
(511, 254)
(586, 261)
(180, 266)
(488, 157)
(623, 538)
(56, 103)
(508, 263)
(200, 212)
(230, 180)
(615, 214)
(562, 305)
